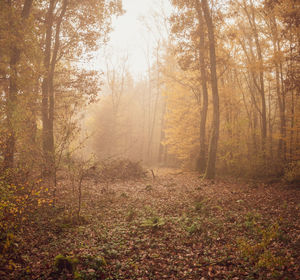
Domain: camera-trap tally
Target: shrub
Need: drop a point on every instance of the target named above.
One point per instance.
(259, 252)
(20, 200)
(65, 264)
(123, 169)
(8, 248)
(292, 172)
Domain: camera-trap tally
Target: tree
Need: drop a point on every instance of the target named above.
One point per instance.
(202, 154)
(212, 155)
(189, 30)
(70, 27)
(17, 26)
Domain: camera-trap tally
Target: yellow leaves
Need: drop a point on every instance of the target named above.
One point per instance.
(11, 265)
(44, 201)
(18, 202)
(8, 242)
(181, 120)
(28, 269)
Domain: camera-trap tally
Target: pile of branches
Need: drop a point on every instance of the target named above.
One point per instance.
(119, 169)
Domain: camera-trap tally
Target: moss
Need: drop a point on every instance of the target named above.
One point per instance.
(62, 263)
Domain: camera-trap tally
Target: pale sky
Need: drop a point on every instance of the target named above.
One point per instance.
(130, 35)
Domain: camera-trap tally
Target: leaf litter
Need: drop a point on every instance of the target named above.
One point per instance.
(176, 226)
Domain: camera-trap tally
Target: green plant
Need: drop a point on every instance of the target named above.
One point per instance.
(268, 260)
(251, 221)
(194, 228)
(148, 188)
(153, 222)
(130, 215)
(124, 195)
(67, 264)
(200, 205)
(93, 268)
(259, 252)
(94, 262)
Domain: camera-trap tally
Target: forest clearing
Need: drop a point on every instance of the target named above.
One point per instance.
(173, 226)
(149, 139)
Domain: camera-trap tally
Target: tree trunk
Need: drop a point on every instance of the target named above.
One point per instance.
(48, 86)
(162, 147)
(261, 87)
(11, 98)
(202, 151)
(213, 145)
(280, 92)
(46, 132)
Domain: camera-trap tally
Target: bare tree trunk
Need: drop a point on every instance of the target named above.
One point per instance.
(152, 123)
(260, 87)
(270, 125)
(46, 132)
(292, 126)
(48, 85)
(213, 145)
(202, 151)
(280, 92)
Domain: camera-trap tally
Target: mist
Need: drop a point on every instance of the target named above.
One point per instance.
(146, 139)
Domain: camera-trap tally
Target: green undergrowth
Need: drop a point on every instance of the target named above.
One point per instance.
(262, 250)
(85, 267)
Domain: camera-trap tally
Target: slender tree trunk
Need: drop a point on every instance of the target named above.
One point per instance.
(202, 152)
(212, 156)
(280, 151)
(51, 76)
(292, 126)
(155, 108)
(270, 125)
(46, 132)
(261, 87)
(281, 97)
(48, 85)
(11, 98)
(161, 150)
(11, 102)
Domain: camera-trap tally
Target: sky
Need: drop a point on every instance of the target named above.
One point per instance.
(131, 35)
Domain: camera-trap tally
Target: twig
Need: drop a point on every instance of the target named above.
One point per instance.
(152, 172)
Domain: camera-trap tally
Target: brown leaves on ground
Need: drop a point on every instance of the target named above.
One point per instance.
(177, 226)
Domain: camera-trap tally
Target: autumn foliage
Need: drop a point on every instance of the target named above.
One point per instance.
(189, 171)
(255, 47)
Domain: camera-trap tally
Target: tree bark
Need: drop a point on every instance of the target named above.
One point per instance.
(261, 87)
(46, 133)
(202, 151)
(279, 91)
(11, 98)
(213, 145)
(48, 85)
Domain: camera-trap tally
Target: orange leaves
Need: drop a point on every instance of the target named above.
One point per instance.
(181, 119)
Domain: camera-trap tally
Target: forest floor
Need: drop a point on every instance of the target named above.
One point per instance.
(173, 226)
